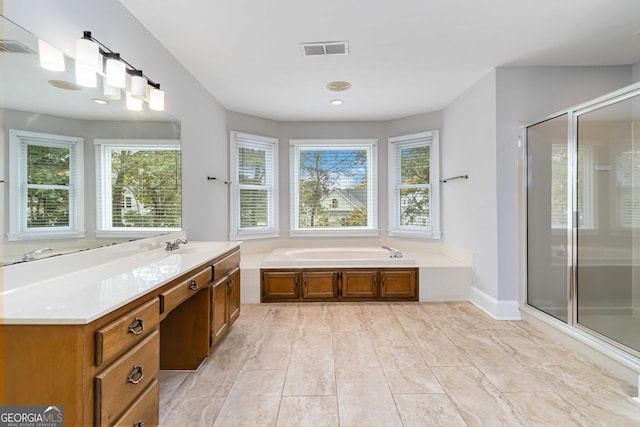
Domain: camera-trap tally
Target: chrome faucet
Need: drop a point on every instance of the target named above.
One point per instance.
(394, 253)
(29, 255)
(172, 246)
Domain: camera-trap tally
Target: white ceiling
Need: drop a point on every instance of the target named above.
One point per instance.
(406, 56)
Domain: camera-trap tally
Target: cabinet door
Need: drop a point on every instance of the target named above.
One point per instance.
(359, 284)
(319, 284)
(219, 312)
(233, 291)
(398, 284)
(280, 285)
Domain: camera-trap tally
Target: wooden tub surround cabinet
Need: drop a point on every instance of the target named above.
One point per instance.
(105, 372)
(330, 284)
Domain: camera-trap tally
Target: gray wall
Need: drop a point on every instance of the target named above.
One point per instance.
(469, 206)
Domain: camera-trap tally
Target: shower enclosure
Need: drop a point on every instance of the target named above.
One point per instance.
(583, 217)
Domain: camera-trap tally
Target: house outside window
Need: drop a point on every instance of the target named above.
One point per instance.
(414, 185)
(334, 187)
(139, 187)
(254, 201)
(46, 186)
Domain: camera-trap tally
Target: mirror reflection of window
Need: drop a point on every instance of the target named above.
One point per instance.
(559, 202)
(138, 186)
(628, 183)
(46, 185)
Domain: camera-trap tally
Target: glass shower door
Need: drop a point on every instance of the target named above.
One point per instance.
(608, 221)
(548, 229)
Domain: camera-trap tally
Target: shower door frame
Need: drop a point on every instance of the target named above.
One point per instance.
(615, 348)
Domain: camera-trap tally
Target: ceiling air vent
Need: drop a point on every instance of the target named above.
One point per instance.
(325, 48)
(14, 46)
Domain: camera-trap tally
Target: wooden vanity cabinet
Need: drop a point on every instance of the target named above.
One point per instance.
(352, 284)
(224, 296)
(105, 372)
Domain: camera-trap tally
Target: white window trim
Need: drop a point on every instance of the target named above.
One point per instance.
(235, 232)
(102, 187)
(395, 229)
(17, 226)
(373, 199)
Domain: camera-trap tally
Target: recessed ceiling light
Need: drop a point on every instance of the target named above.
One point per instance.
(100, 101)
(336, 102)
(338, 86)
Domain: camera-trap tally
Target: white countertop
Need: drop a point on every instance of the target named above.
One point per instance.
(82, 296)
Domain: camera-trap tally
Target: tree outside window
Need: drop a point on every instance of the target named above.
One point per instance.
(334, 185)
(140, 187)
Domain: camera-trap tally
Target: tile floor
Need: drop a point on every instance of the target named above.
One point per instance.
(391, 364)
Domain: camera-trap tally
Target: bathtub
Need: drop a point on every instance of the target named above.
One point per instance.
(335, 257)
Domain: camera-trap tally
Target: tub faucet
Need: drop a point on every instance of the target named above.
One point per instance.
(29, 255)
(172, 246)
(394, 253)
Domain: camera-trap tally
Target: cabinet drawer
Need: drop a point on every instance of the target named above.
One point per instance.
(144, 412)
(223, 266)
(126, 331)
(183, 290)
(124, 380)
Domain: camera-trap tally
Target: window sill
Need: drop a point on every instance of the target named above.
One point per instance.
(135, 232)
(427, 235)
(43, 235)
(333, 233)
(254, 235)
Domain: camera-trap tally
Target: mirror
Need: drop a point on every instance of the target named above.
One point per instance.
(35, 101)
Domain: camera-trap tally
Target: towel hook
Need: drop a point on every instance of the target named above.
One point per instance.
(213, 178)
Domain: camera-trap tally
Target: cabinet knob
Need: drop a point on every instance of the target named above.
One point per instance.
(136, 327)
(136, 375)
(138, 423)
(193, 285)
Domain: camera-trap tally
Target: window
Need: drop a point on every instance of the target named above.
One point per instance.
(334, 187)
(46, 186)
(413, 200)
(254, 198)
(559, 171)
(627, 183)
(139, 187)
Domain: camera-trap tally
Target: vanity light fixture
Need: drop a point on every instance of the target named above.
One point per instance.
(156, 97)
(133, 104)
(51, 58)
(93, 57)
(138, 85)
(115, 71)
(110, 92)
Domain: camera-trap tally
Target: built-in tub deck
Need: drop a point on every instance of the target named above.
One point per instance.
(441, 277)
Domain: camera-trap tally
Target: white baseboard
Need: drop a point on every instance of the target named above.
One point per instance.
(499, 310)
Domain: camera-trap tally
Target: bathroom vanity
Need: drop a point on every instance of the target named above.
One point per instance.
(95, 346)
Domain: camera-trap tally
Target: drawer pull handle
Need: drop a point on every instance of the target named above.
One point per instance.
(193, 285)
(136, 327)
(136, 375)
(138, 423)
